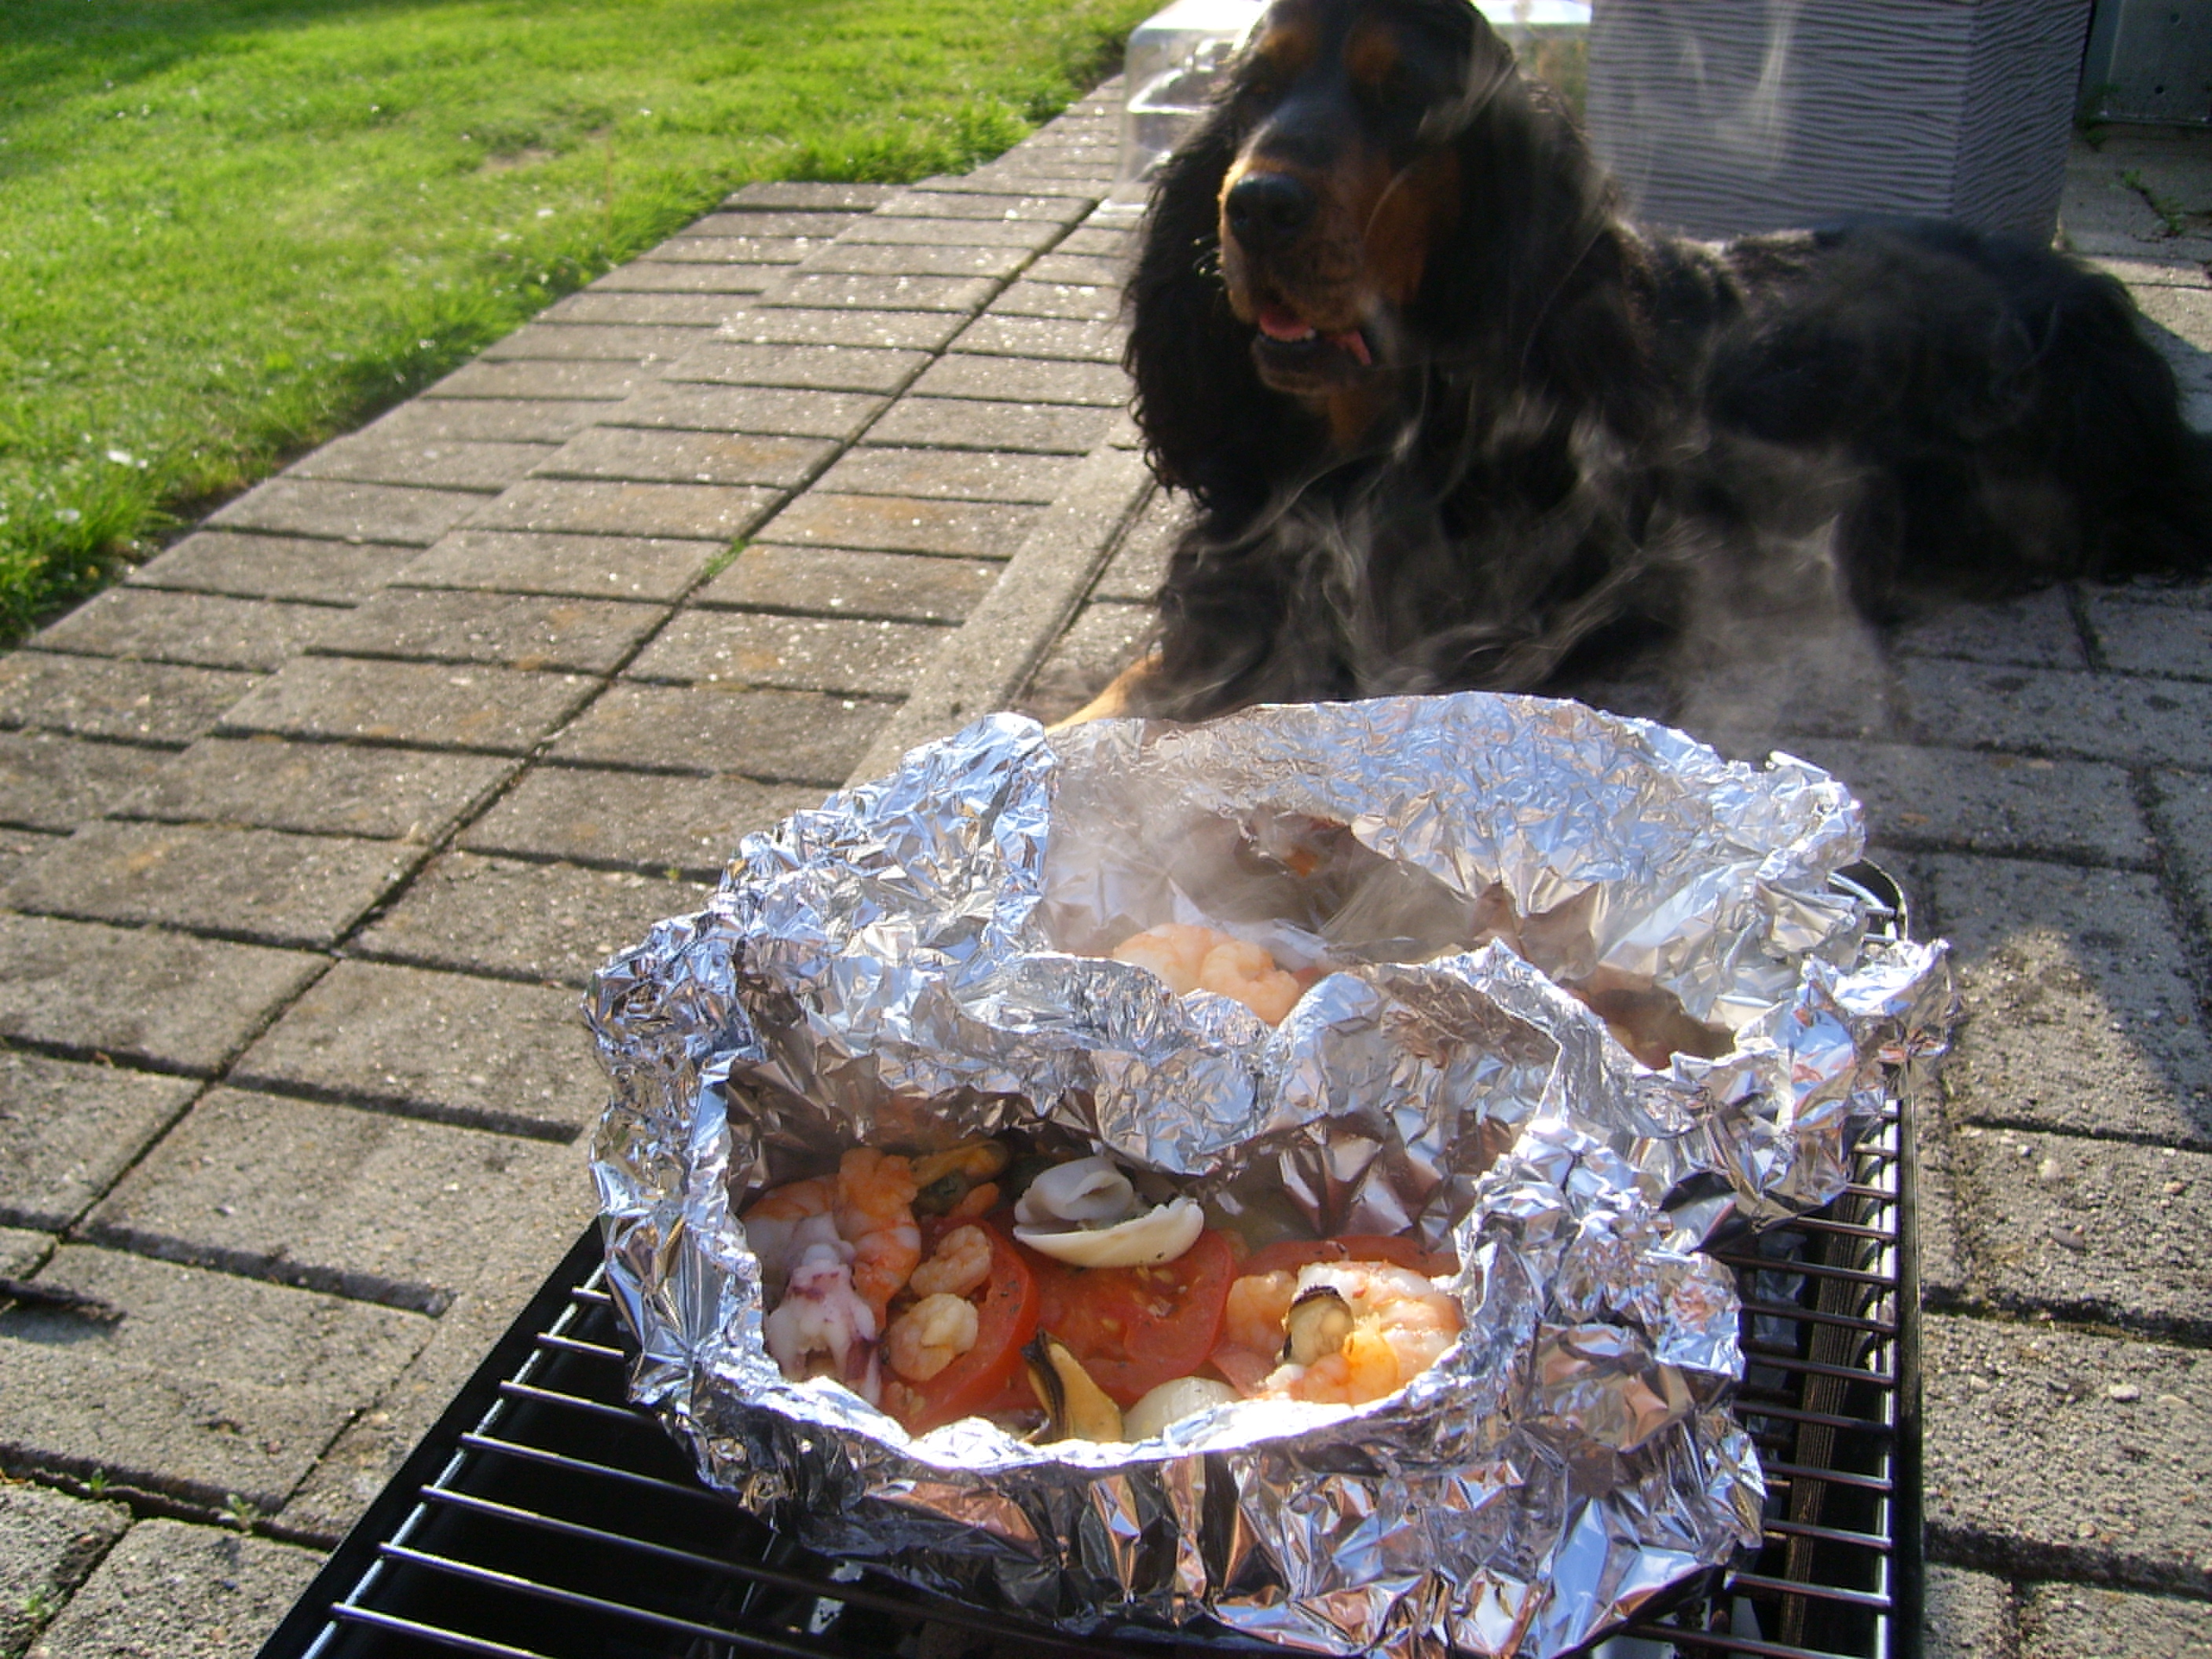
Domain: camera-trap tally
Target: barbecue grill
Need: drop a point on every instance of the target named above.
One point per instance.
(544, 1518)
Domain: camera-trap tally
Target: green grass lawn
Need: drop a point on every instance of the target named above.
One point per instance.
(230, 228)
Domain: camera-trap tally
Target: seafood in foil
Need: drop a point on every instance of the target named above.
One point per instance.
(1459, 884)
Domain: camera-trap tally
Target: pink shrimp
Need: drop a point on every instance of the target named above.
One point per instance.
(1248, 974)
(773, 1224)
(874, 1208)
(1401, 1325)
(1193, 958)
(1252, 1322)
(1175, 950)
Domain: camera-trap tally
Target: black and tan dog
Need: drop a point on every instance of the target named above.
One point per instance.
(1450, 423)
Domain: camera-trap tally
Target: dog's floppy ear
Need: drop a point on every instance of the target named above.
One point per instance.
(1207, 420)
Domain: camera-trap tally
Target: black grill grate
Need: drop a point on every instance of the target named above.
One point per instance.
(545, 1518)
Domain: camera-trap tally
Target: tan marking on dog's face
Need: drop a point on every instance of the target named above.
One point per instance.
(1370, 53)
(1289, 45)
(1411, 212)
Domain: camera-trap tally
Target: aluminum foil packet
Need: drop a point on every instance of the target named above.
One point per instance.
(922, 959)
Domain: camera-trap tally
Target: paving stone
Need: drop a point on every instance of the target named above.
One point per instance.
(361, 1204)
(780, 194)
(590, 636)
(985, 183)
(805, 653)
(1140, 563)
(67, 1131)
(948, 475)
(349, 512)
(781, 412)
(209, 1384)
(273, 568)
(878, 261)
(565, 381)
(1105, 638)
(2036, 631)
(885, 228)
(2182, 814)
(702, 512)
(893, 523)
(788, 737)
(813, 367)
(263, 885)
(55, 783)
(694, 309)
(645, 276)
(48, 1545)
(1086, 302)
(900, 587)
(1946, 1276)
(2098, 716)
(545, 921)
(318, 788)
(504, 711)
(716, 457)
(773, 221)
(994, 656)
(539, 562)
(1099, 241)
(649, 819)
(636, 342)
(2054, 1454)
(21, 1251)
(2142, 637)
(2093, 1231)
(1083, 268)
(735, 249)
(198, 628)
(363, 1459)
(996, 335)
(1016, 379)
(393, 458)
(2070, 1621)
(21, 848)
(1969, 1615)
(173, 1591)
(95, 697)
(947, 205)
(790, 324)
(956, 423)
(926, 295)
(169, 1000)
(439, 421)
(2061, 970)
(483, 1052)
(1973, 801)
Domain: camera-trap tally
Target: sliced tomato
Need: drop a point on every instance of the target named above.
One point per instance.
(1134, 1328)
(1292, 1254)
(1007, 1306)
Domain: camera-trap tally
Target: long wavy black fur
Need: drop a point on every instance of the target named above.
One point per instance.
(1608, 448)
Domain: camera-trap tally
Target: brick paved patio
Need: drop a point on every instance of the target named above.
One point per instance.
(313, 830)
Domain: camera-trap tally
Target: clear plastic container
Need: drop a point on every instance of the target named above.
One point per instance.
(1177, 57)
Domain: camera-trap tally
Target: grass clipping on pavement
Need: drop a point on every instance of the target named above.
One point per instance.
(232, 229)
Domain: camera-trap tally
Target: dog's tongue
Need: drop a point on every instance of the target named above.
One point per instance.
(1281, 323)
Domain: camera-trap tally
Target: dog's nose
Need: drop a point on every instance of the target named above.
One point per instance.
(1268, 209)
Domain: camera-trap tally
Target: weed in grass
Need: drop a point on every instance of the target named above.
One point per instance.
(231, 229)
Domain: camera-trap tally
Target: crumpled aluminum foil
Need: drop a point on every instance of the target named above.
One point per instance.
(913, 963)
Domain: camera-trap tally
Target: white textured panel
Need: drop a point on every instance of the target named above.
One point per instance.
(1720, 117)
